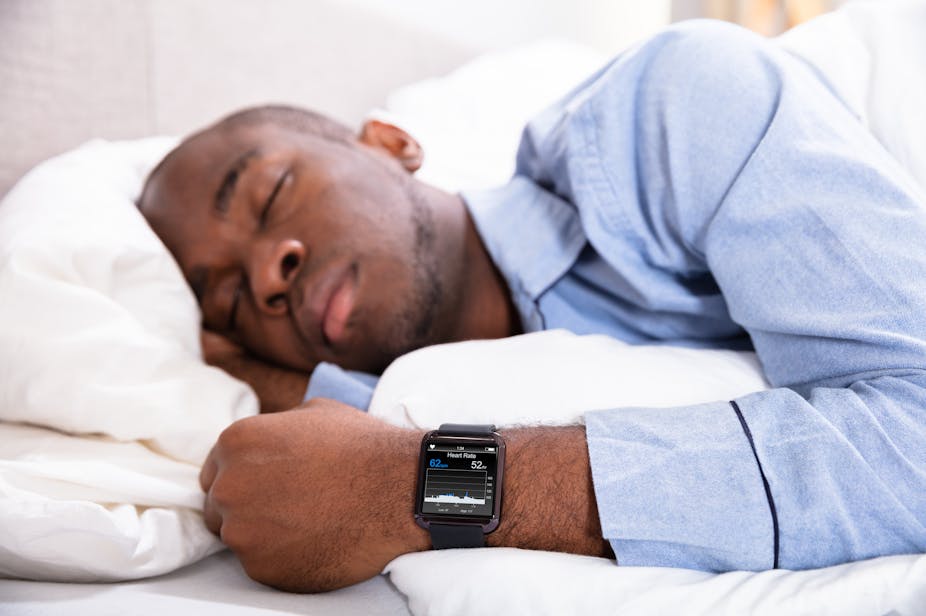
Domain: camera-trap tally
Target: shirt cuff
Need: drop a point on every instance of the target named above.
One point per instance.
(347, 386)
(680, 487)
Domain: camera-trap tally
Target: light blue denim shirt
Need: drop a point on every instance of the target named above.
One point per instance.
(706, 188)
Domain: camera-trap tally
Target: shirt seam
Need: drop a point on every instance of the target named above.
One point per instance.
(768, 490)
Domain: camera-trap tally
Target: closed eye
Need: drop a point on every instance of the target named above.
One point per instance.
(273, 195)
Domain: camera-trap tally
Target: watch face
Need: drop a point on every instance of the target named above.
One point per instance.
(458, 478)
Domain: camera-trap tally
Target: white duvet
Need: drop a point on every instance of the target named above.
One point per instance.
(107, 409)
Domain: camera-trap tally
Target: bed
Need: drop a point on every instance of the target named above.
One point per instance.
(98, 497)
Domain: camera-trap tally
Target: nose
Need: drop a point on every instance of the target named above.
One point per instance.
(273, 269)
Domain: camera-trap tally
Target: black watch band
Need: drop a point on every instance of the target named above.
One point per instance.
(445, 536)
(466, 429)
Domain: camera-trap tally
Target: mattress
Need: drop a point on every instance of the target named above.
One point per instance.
(215, 586)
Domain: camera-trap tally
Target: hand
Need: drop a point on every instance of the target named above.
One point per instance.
(277, 388)
(322, 497)
(315, 498)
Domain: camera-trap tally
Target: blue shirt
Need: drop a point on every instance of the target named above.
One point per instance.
(706, 188)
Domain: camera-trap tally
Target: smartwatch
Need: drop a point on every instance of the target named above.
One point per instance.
(460, 472)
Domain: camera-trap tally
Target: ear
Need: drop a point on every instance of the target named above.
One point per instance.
(393, 141)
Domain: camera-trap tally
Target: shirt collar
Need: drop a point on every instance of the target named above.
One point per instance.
(533, 237)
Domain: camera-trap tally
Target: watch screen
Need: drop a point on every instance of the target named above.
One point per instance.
(459, 479)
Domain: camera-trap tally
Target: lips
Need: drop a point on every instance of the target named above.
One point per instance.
(340, 305)
(330, 302)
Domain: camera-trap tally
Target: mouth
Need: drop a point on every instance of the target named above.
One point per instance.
(331, 304)
(340, 306)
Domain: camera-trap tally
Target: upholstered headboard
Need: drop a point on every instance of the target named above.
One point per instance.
(71, 71)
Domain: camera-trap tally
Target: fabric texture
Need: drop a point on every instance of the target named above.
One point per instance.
(523, 380)
(99, 353)
(702, 186)
(100, 333)
(546, 583)
(553, 377)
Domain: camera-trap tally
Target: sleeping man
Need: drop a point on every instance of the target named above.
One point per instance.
(703, 189)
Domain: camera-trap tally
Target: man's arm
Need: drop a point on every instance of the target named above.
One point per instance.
(716, 161)
(323, 496)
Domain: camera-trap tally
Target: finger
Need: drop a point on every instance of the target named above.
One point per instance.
(211, 515)
(208, 471)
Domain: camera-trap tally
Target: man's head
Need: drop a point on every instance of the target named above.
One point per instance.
(303, 241)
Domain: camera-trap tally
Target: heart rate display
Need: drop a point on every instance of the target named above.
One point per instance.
(459, 480)
(442, 486)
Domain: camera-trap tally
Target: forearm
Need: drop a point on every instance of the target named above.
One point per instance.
(548, 502)
(548, 499)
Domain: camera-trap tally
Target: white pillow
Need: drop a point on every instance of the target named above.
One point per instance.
(99, 333)
(873, 54)
(553, 377)
(469, 122)
(99, 337)
(521, 582)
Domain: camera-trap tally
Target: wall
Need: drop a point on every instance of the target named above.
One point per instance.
(607, 25)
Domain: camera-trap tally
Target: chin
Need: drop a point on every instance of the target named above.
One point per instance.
(371, 359)
(368, 364)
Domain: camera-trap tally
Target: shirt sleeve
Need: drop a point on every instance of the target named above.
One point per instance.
(348, 386)
(746, 165)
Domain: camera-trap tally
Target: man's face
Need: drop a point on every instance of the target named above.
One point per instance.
(299, 248)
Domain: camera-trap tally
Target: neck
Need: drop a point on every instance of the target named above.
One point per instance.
(481, 305)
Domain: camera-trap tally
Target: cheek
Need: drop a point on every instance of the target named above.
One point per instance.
(389, 287)
(376, 215)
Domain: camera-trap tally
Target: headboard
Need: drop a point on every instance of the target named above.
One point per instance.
(71, 71)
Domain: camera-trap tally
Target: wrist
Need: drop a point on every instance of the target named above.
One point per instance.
(403, 474)
(548, 498)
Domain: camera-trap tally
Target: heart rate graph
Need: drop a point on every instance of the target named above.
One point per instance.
(455, 486)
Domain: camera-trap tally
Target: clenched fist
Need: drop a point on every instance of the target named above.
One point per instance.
(315, 498)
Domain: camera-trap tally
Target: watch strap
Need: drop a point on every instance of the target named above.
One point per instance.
(445, 536)
(466, 429)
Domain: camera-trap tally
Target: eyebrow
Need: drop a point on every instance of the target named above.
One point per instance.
(226, 189)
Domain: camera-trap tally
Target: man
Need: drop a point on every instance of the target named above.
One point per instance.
(704, 188)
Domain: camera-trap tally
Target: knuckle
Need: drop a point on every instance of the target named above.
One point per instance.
(237, 539)
(223, 494)
(238, 434)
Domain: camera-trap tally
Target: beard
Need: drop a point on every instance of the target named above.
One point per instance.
(415, 325)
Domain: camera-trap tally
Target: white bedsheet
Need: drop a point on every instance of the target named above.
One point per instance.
(214, 586)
